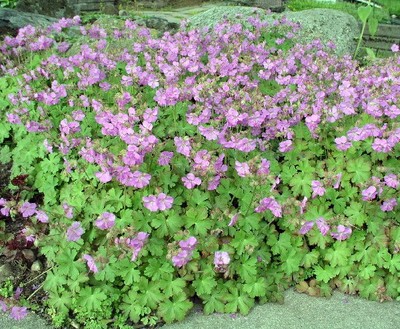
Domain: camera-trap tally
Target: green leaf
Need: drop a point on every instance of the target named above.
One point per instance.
(60, 302)
(130, 305)
(338, 256)
(196, 217)
(214, 304)
(364, 12)
(199, 198)
(68, 265)
(394, 264)
(174, 287)
(91, 298)
(151, 295)
(310, 258)
(367, 272)
(283, 245)
(291, 262)
(205, 284)
(128, 272)
(54, 282)
(370, 53)
(325, 274)
(373, 25)
(243, 242)
(360, 170)
(175, 309)
(156, 271)
(257, 288)
(248, 269)
(356, 214)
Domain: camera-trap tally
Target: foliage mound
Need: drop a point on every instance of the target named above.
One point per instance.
(224, 165)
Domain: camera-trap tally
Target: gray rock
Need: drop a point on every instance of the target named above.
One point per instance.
(6, 272)
(324, 24)
(12, 20)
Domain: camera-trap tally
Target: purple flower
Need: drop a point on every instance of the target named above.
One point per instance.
(233, 220)
(342, 233)
(3, 306)
(188, 244)
(381, 145)
(165, 158)
(105, 221)
(317, 188)
(150, 202)
(18, 313)
(140, 180)
(391, 181)
(190, 181)
(182, 146)
(285, 146)
(342, 143)
(103, 176)
(164, 201)
(270, 204)
(90, 263)
(27, 209)
(221, 258)
(307, 226)
(322, 226)
(395, 48)
(68, 210)
(264, 167)
(242, 168)
(338, 180)
(389, 205)
(42, 217)
(75, 231)
(369, 193)
(182, 258)
(303, 205)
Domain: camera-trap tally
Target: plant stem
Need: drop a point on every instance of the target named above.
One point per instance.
(38, 276)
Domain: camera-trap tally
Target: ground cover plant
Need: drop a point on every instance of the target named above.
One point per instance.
(223, 166)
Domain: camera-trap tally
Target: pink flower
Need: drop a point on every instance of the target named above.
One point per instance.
(307, 226)
(322, 226)
(190, 181)
(389, 205)
(369, 193)
(150, 202)
(242, 169)
(165, 158)
(103, 176)
(395, 48)
(264, 167)
(164, 201)
(68, 210)
(270, 204)
(317, 188)
(18, 313)
(42, 217)
(342, 233)
(233, 220)
(303, 205)
(221, 258)
(90, 263)
(3, 306)
(27, 209)
(182, 258)
(342, 143)
(188, 244)
(391, 181)
(75, 231)
(285, 146)
(105, 221)
(338, 180)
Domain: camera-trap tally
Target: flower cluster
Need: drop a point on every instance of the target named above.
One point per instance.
(342, 232)
(185, 252)
(135, 244)
(158, 202)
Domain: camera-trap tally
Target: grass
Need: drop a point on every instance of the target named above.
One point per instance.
(350, 8)
(393, 6)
